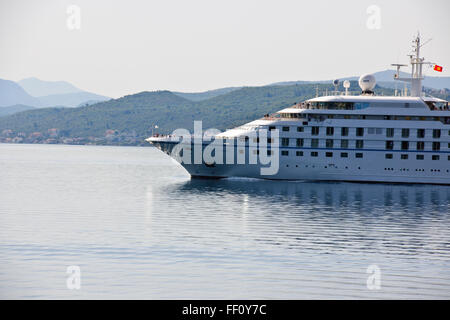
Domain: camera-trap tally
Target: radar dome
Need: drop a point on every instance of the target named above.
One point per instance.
(367, 82)
(336, 82)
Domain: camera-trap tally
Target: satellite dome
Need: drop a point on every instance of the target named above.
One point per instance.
(336, 82)
(367, 83)
(346, 84)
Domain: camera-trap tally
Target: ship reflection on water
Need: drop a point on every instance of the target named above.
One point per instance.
(333, 195)
(385, 219)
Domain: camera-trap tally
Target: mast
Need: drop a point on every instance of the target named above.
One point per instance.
(416, 68)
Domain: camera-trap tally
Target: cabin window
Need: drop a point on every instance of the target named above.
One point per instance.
(419, 157)
(434, 157)
(420, 133)
(388, 156)
(272, 128)
(314, 131)
(358, 155)
(285, 128)
(299, 153)
(300, 142)
(314, 143)
(314, 154)
(284, 152)
(344, 155)
(344, 131)
(359, 132)
(389, 145)
(344, 144)
(405, 145)
(285, 142)
(390, 132)
(420, 145)
(329, 154)
(330, 131)
(436, 146)
(405, 133)
(329, 143)
(404, 157)
(436, 133)
(299, 129)
(359, 144)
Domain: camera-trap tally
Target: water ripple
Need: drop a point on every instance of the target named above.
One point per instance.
(138, 227)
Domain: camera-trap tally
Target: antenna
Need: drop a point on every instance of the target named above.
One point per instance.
(425, 42)
(416, 68)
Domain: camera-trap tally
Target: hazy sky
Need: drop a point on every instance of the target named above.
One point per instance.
(124, 47)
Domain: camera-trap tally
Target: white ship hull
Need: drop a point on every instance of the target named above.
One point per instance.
(373, 168)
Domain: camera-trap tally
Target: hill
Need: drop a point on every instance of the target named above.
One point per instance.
(199, 96)
(11, 94)
(40, 88)
(70, 99)
(129, 120)
(42, 94)
(5, 111)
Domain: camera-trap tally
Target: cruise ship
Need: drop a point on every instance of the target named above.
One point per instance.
(340, 137)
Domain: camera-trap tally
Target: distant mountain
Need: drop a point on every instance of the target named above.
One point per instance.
(11, 94)
(70, 99)
(437, 82)
(5, 111)
(41, 88)
(60, 93)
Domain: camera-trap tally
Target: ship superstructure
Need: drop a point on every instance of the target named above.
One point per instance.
(340, 137)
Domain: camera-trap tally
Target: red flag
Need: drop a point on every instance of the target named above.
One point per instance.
(437, 68)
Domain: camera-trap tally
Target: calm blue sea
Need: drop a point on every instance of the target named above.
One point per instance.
(137, 227)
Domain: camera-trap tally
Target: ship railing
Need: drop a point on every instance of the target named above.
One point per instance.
(281, 118)
(444, 108)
